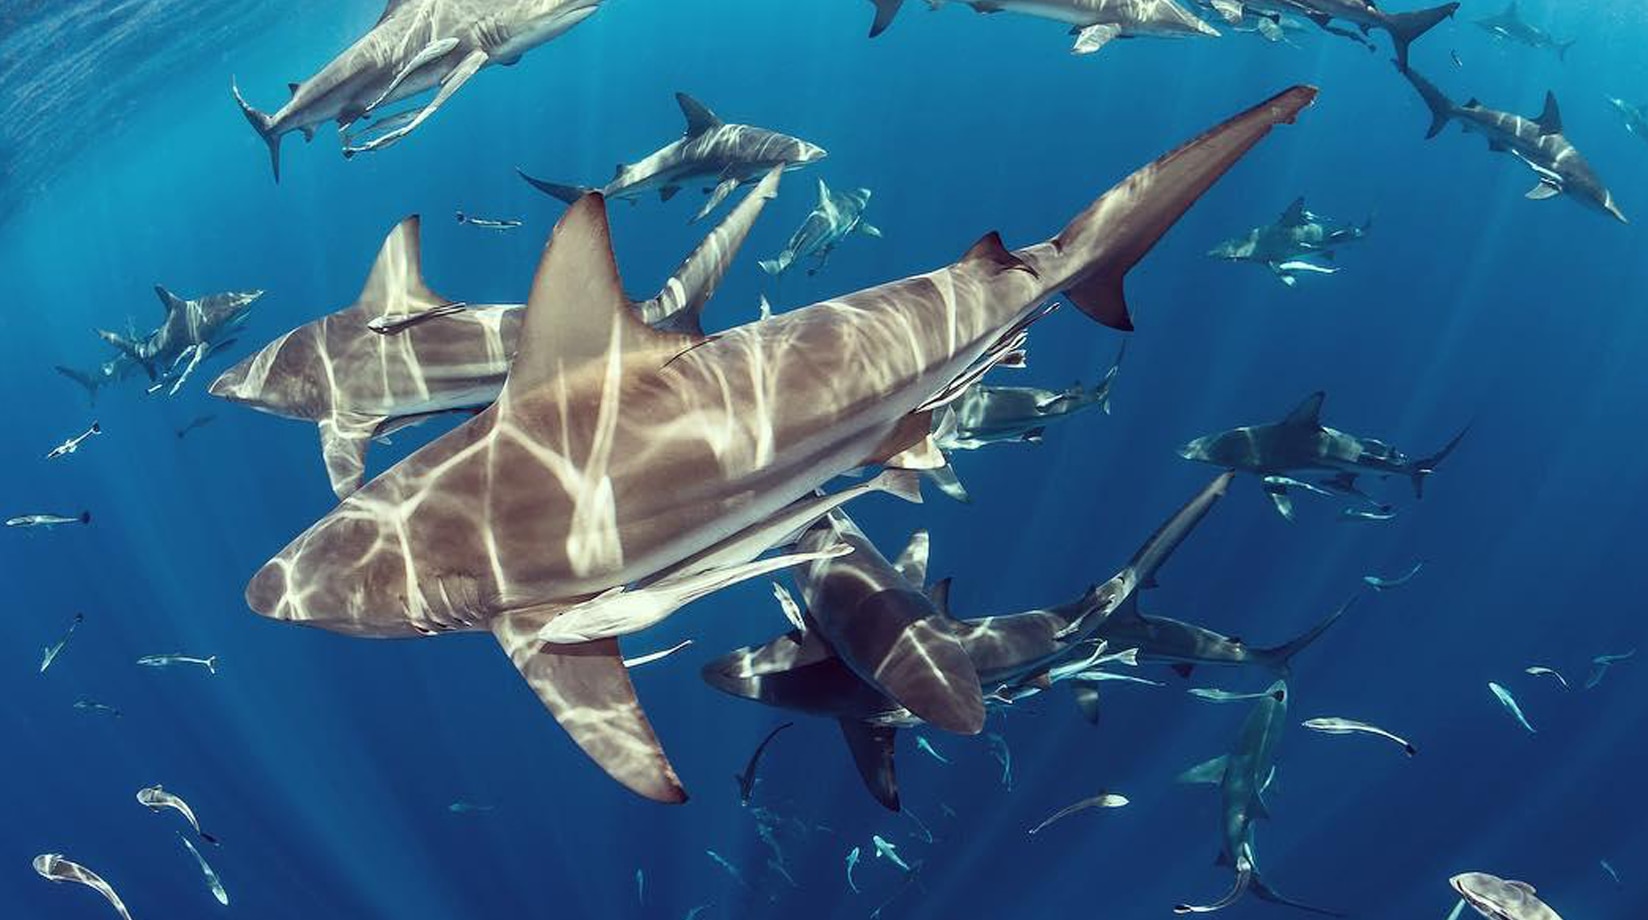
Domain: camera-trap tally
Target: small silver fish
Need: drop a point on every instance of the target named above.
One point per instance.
(1000, 751)
(486, 223)
(1215, 695)
(166, 661)
(48, 520)
(921, 832)
(155, 798)
(391, 323)
(73, 444)
(212, 881)
(925, 746)
(852, 863)
(1600, 665)
(640, 877)
(54, 867)
(198, 423)
(650, 657)
(50, 654)
(1336, 726)
(1608, 868)
(1542, 671)
(461, 807)
(889, 852)
(1102, 800)
(87, 704)
(1360, 514)
(732, 870)
(1385, 584)
(1509, 702)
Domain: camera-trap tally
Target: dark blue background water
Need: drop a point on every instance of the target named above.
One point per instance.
(326, 764)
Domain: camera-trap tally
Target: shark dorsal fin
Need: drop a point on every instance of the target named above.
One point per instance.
(872, 749)
(939, 594)
(1550, 120)
(395, 287)
(824, 198)
(578, 311)
(912, 563)
(1307, 414)
(170, 301)
(1473, 103)
(294, 87)
(989, 250)
(699, 117)
(1294, 216)
(390, 8)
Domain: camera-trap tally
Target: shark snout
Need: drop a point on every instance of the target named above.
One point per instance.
(1194, 450)
(810, 153)
(266, 591)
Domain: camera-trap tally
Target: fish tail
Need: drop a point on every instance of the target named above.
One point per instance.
(1404, 28)
(1441, 107)
(263, 125)
(565, 193)
(1281, 657)
(885, 11)
(1428, 465)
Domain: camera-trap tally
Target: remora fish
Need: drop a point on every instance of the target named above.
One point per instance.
(1102, 800)
(1510, 26)
(55, 868)
(1215, 695)
(486, 223)
(156, 799)
(416, 46)
(1636, 122)
(1095, 23)
(357, 384)
(1300, 443)
(1403, 28)
(1285, 246)
(1600, 665)
(746, 779)
(195, 425)
(1242, 776)
(852, 863)
(73, 444)
(1337, 726)
(1379, 583)
(212, 881)
(1542, 671)
(166, 661)
(48, 520)
(1375, 515)
(837, 216)
(191, 330)
(620, 456)
(989, 414)
(1537, 142)
(50, 654)
(712, 151)
(889, 852)
(1509, 702)
(1499, 899)
(1012, 655)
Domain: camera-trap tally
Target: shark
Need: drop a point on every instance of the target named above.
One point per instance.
(625, 471)
(718, 155)
(1011, 656)
(1501, 899)
(1509, 26)
(416, 46)
(1185, 646)
(992, 414)
(105, 373)
(1403, 28)
(192, 331)
(1297, 235)
(1636, 116)
(746, 778)
(56, 868)
(837, 216)
(1242, 776)
(358, 385)
(1095, 23)
(1538, 142)
(1300, 443)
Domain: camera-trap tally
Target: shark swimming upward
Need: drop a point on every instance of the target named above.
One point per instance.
(1008, 657)
(358, 384)
(1095, 23)
(712, 153)
(1297, 235)
(1301, 444)
(192, 331)
(415, 47)
(1537, 142)
(625, 470)
(837, 216)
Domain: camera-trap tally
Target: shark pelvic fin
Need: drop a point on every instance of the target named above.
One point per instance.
(344, 438)
(872, 750)
(912, 563)
(886, 10)
(578, 312)
(395, 286)
(588, 690)
(699, 117)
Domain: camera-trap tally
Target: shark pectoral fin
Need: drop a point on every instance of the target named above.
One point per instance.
(1281, 499)
(1231, 10)
(1094, 37)
(430, 53)
(872, 747)
(717, 195)
(1545, 189)
(454, 80)
(885, 11)
(344, 438)
(395, 286)
(949, 483)
(1087, 701)
(912, 563)
(1210, 773)
(588, 690)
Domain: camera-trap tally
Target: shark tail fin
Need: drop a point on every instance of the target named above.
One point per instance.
(85, 517)
(1281, 657)
(1428, 465)
(89, 383)
(211, 664)
(1562, 50)
(872, 749)
(1404, 28)
(263, 125)
(1099, 247)
(565, 193)
(1264, 892)
(1244, 879)
(885, 11)
(1441, 107)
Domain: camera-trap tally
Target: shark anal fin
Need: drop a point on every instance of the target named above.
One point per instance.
(872, 749)
(344, 438)
(588, 690)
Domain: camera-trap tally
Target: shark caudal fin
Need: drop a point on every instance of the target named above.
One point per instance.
(884, 13)
(1562, 50)
(1264, 892)
(872, 747)
(587, 688)
(1404, 28)
(1280, 658)
(1116, 231)
(1244, 879)
(87, 382)
(263, 125)
(1441, 107)
(566, 193)
(1425, 467)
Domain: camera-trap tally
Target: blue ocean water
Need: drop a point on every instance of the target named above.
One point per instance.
(326, 764)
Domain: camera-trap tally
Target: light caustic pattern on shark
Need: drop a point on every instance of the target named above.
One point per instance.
(622, 455)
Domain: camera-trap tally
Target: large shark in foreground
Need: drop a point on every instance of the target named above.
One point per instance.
(1510, 26)
(1095, 23)
(1301, 444)
(1537, 142)
(415, 47)
(712, 153)
(191, 331)
(624, 471)
(808, 670)
(1297, 236)
(358, 384)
